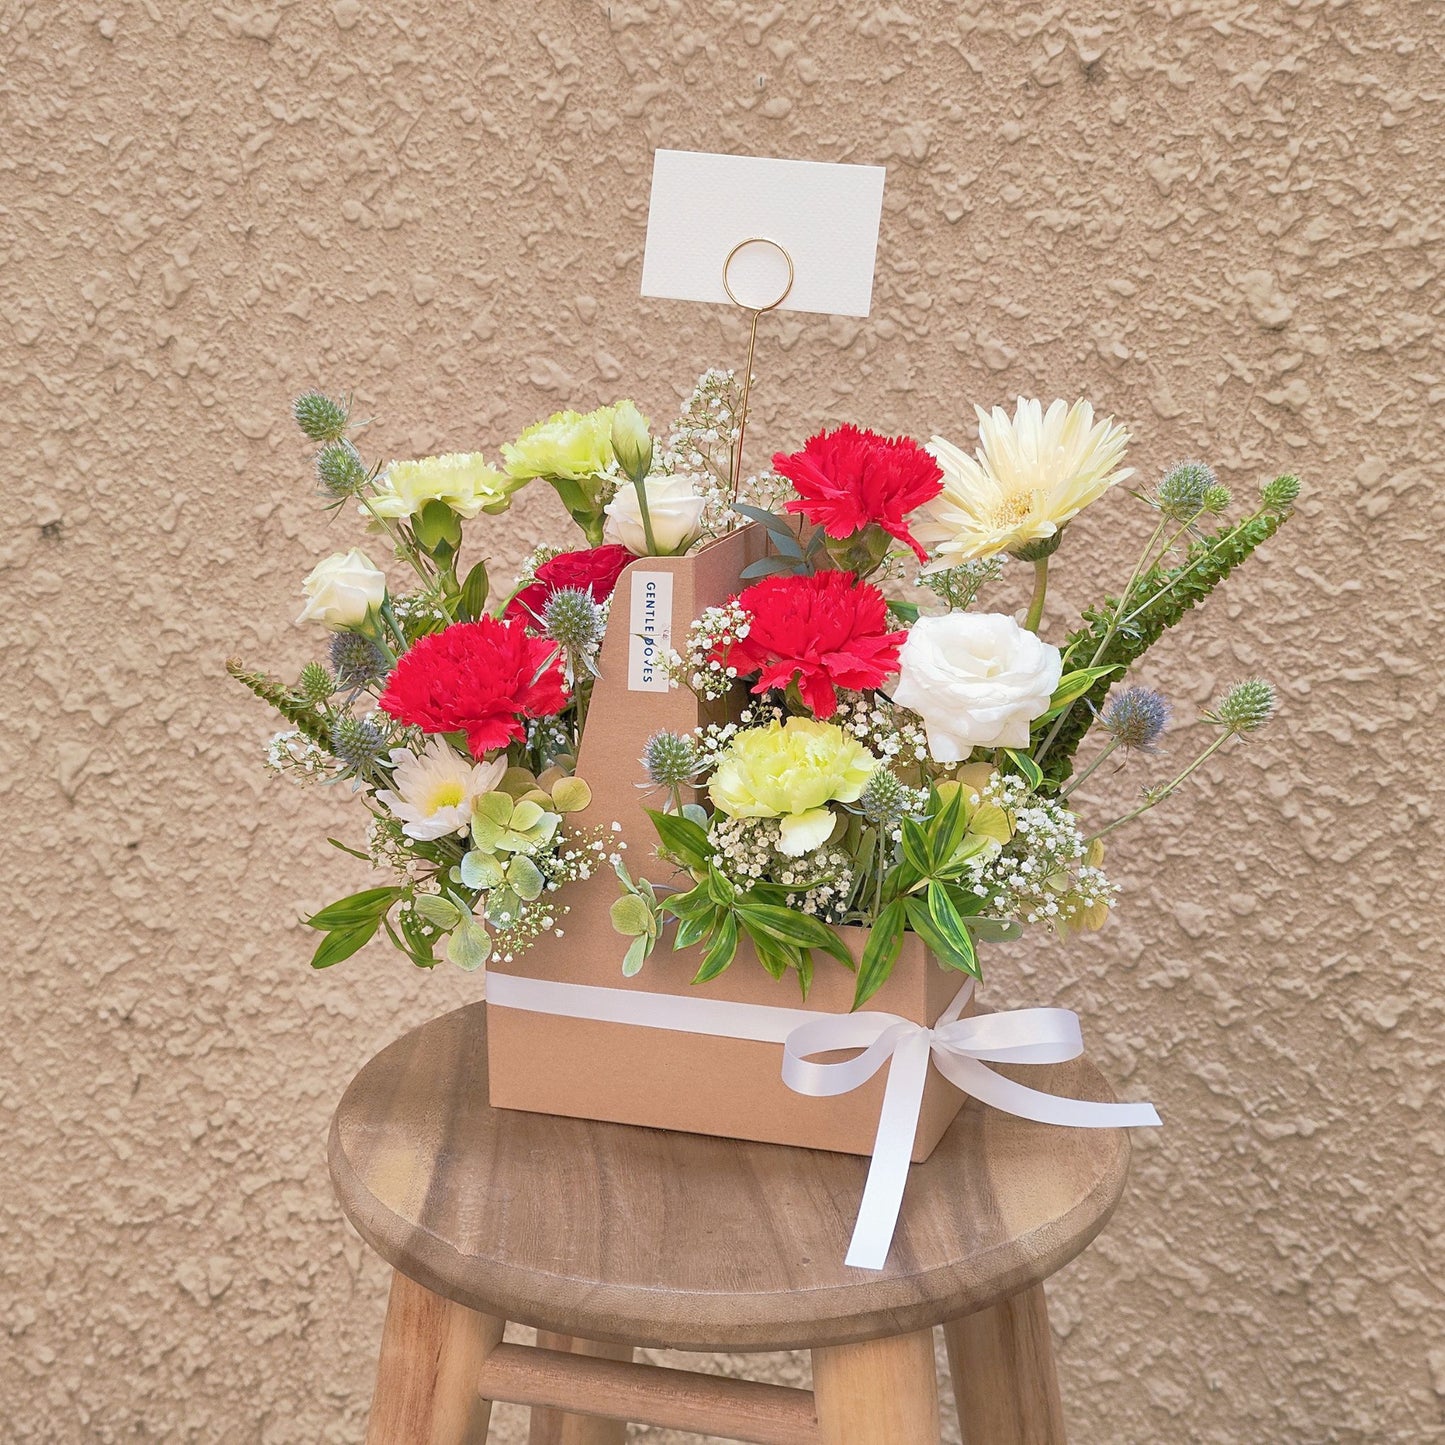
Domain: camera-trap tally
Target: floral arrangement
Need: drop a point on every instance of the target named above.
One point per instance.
(905, 771)
(455, 717)
(895, 765)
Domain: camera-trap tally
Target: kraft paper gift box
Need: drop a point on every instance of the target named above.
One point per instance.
(635, 1074)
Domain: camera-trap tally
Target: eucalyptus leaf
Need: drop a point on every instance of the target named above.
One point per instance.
(503, 906)
(636, 955)
(481, 870)
(436, 911)
(570, 795)
(525, 879)
(769, 567)
(470, 946)
(631, 916)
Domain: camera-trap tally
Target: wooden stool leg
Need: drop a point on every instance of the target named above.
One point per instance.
(431, 1359)
(1002, 1363)
(561, 1427)
(882, 1390)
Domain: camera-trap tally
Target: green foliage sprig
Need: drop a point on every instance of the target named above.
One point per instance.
(1169, 593)
(299, 712)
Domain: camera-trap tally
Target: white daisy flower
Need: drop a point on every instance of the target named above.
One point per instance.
(434, 791)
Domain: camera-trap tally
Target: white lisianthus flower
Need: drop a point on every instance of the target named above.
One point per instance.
(465, 481)
(1031, 474)
(631, 440)
(674, 507)
(343, 591)
(434, 791)
(977, 680)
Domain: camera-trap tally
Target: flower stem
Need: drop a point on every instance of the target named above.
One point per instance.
(1108, 637)
(640, 487)
(404, 548)
(878, 878)
(1186, 572)
(1158, 795)
(390, 618)
(1079, 778)
(1041, 588)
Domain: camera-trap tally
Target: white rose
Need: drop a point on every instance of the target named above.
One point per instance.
(675, 508)
(342, 591)
(977, 680)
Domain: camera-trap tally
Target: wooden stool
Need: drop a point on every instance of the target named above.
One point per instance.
(606, 1237)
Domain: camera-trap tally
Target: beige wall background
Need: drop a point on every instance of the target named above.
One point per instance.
(1221, 221)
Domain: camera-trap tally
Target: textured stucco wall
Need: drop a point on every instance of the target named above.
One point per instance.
(1222, 221)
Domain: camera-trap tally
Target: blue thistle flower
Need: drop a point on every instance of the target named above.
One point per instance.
(573, 620)
(357, 742)
(1136, 718)
(322, 419)
(339, 470)
(1182, 492)
(1280, 494)
(1246, 707)
(357, 660)
(670, 759)
(883, 800)
(316, 684)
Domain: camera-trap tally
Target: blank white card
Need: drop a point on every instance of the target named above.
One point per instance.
(825, 215)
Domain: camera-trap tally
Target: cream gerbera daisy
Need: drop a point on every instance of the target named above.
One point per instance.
(434, 791)
(1030, 476)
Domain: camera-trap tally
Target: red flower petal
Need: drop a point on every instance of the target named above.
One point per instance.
(825, 632)
(849, 479)
(594, 570)
(480, 678)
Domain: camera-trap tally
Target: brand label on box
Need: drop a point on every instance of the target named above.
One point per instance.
(651, 620)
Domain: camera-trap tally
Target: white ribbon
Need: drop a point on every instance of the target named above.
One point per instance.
(961, 1050)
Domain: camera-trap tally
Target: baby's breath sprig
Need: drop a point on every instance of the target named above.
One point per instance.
(1047, 872)
(291, 754)
(957, 587)
(702, 664)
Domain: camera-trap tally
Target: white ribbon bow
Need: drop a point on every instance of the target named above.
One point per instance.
(960, 1048)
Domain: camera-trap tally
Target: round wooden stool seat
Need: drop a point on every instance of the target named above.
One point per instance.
(652, 1238)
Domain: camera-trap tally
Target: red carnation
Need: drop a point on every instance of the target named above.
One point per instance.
(480, 678)
(848, 480)
(827, 631)
(595, 570)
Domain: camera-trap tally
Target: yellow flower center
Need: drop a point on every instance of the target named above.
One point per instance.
(1013, 510)
(444, 795)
